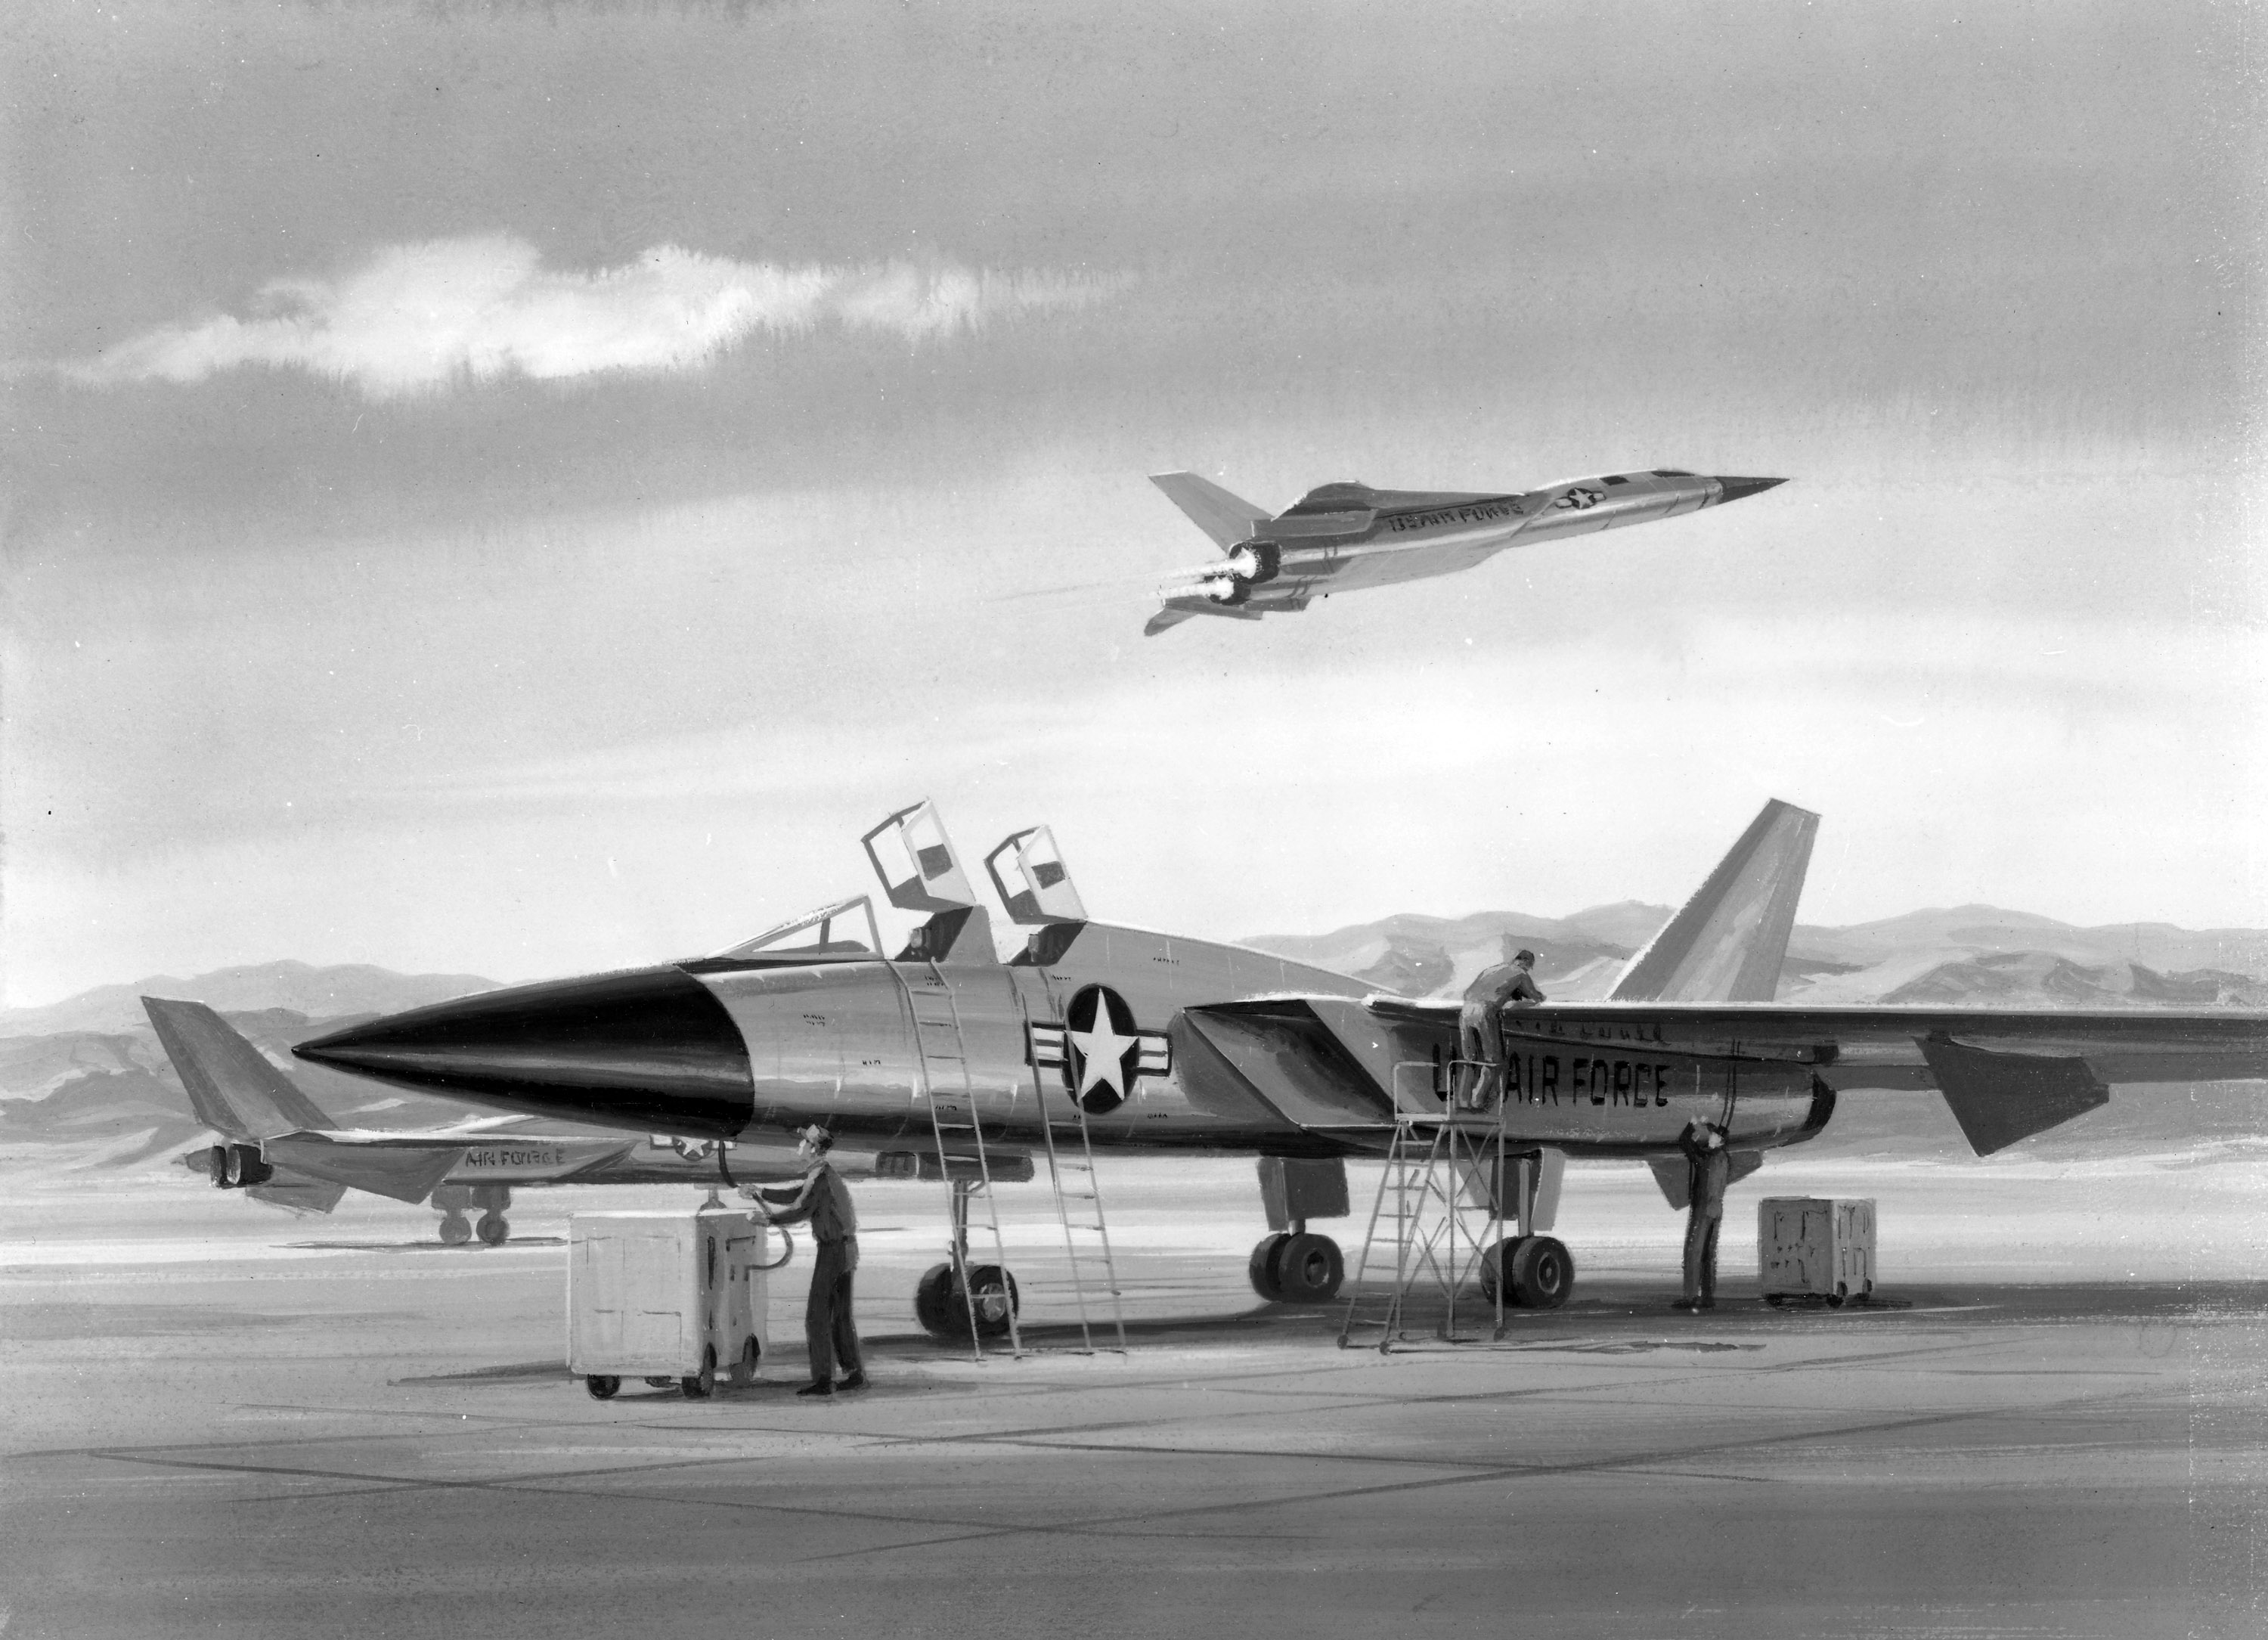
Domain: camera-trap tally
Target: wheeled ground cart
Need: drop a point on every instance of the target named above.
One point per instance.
(1814, 1249)
(669, 1297)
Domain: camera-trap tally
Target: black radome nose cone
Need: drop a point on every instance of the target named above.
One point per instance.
(651, 1049)
(1736, 488)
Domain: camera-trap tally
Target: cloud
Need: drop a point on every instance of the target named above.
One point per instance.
(421, 318)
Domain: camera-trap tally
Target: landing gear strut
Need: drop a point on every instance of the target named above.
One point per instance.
(948, 1302)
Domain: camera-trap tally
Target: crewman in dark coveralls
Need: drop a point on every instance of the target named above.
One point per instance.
(825, 1199)
(1480, 1024)
(1711, 1170)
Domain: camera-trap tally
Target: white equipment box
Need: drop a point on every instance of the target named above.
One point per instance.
(669, 1297)
(1811, 1247)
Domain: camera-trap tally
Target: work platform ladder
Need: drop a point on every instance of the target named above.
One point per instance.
(1079, 1194)
(1439, 1213)
(950, 1093)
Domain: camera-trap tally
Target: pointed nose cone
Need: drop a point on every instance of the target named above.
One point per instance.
(1734, 489)
(651, 1049)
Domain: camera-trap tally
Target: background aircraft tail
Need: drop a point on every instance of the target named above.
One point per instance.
(1727, 943)
(1226, 517)
(232, 1086)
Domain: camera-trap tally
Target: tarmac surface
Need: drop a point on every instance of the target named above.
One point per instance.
(227, 1423)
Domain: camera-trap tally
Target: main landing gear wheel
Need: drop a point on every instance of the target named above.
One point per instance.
(944, 1313)
(602, 1386)
(456, 1230)
(1296, 1269)
(1543, 1271)
(495, 1229)
(703, 1384)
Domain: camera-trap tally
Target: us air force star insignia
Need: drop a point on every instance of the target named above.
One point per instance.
(1106, 1050)
(1098, 1051)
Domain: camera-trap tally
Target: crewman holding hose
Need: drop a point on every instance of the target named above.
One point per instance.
(825, 1199)
(1711, 1170)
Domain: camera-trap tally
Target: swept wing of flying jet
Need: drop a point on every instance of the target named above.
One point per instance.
(1125, 1038)
(277, 1146)
(1342, 537)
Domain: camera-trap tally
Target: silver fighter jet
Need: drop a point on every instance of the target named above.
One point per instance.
(1344, 537)
(1098, 1036)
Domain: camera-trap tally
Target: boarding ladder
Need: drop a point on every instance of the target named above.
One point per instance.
(1087, 1233)
(1426, 1221)
(950, 1093)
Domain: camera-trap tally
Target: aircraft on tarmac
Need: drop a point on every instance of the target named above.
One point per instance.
(1101, 1036)
(1342, 537)
(277, 1146)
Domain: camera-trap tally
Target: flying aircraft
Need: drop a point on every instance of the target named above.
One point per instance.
(1099, 1037)
(278, 1147)
(1342, 537)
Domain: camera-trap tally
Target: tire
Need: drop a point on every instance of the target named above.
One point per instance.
(602, 1386)
(1776, 1300)
(455, 1230)
(1542, 1273)
(495, 1229)
(1492, 1264)
(744, 1370)
(703, 1384)
(1261, 1268)
(944, 1313)
(1835, 1299)
(1309, 1269)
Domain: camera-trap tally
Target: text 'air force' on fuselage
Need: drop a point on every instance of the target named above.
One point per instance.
(1342, 537)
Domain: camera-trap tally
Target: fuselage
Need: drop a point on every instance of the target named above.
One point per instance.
(1116, 1025)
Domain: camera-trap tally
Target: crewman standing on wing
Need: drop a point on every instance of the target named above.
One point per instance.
(825, 1199)
(1710, 1171)
(1480, 1024)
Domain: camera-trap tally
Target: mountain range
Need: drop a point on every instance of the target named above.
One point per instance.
(1967, 956)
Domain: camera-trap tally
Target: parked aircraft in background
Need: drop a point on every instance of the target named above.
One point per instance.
(1342, 537)
(278, 1147)
(1121, 1039)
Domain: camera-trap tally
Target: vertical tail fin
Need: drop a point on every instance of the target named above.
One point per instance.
(233, 1089)
(1727, 943)
(1226, 517)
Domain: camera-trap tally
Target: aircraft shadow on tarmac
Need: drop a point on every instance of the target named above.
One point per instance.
(419, 1247)
(1635, 1320)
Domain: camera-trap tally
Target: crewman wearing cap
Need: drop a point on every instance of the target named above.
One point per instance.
(1480, 1024)
(825, 1199)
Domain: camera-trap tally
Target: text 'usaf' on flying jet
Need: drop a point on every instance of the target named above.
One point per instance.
(1344, 537)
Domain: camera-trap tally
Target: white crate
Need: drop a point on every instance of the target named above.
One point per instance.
(1813, 1247)
(663, 1295)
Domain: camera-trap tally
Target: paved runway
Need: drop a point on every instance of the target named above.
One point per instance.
(325, 1429)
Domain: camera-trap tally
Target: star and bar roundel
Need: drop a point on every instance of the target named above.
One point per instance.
(1099, 1049)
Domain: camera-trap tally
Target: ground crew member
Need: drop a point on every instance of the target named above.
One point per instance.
(1710, 1169)
(1480, 1024)
(825, 1199)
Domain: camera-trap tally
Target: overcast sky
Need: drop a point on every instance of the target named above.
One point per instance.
(521, 491)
